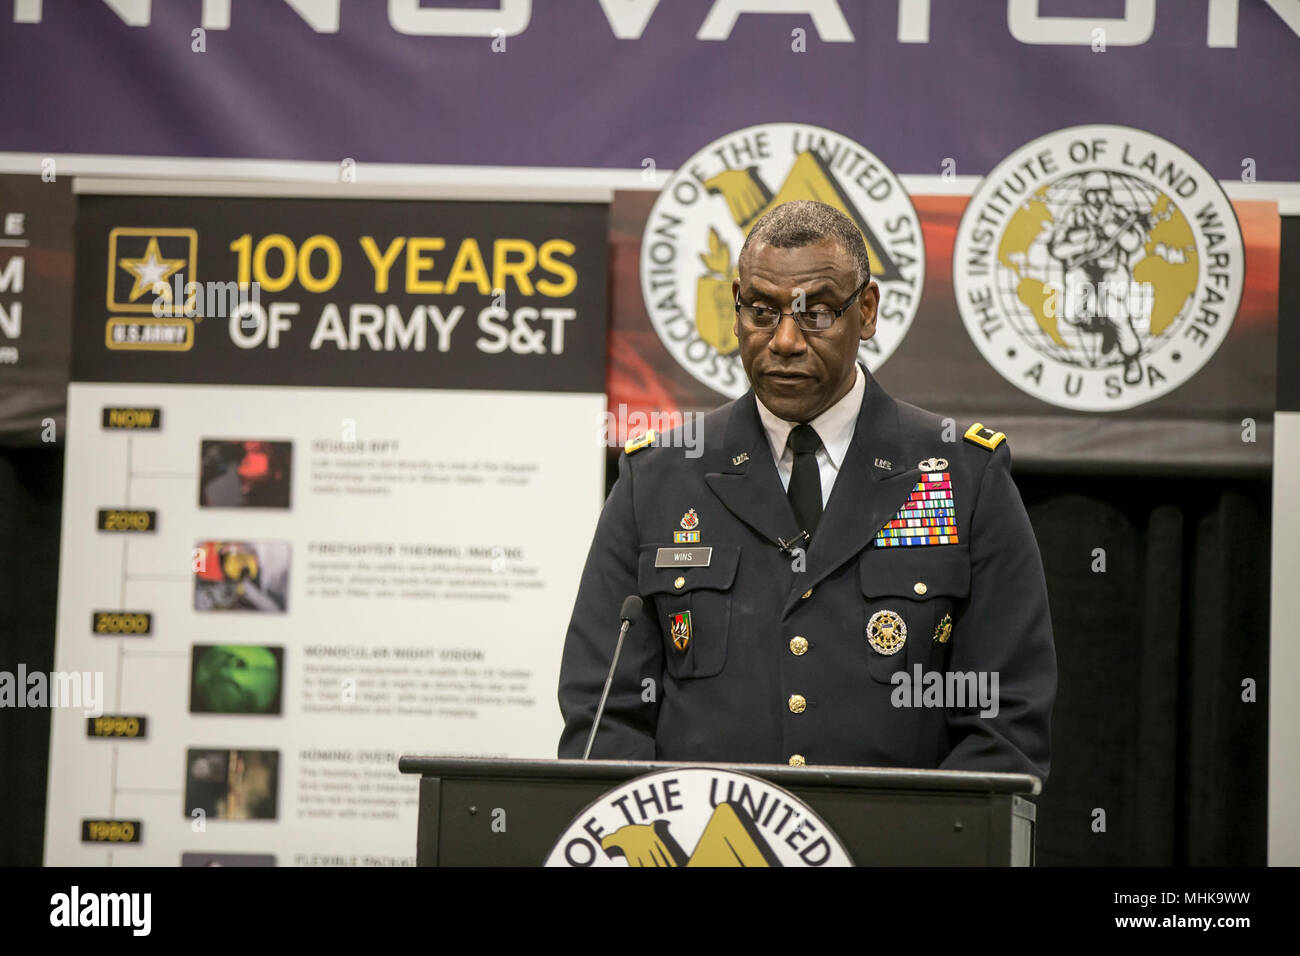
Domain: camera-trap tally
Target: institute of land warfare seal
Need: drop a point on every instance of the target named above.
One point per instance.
(693, 237)
(698, 816)
(1098, 267)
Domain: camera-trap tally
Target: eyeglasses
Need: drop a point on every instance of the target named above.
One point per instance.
(816, 319)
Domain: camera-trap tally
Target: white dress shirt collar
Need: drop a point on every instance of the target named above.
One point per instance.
(834, 426)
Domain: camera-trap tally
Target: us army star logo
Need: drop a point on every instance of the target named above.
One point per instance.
(149, 270)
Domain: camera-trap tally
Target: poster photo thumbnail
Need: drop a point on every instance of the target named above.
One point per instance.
(241, 576)
(232, 784)
(236, 679)
(245, 473)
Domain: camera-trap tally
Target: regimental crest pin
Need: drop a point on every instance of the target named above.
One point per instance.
(681, 630)
(943, 630)
(886, 632)
(691, 534)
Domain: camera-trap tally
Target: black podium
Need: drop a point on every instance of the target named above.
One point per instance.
(882, 817)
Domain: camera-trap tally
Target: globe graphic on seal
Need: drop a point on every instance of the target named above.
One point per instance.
(1097, 269)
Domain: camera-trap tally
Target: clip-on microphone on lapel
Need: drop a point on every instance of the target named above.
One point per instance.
(787, 547)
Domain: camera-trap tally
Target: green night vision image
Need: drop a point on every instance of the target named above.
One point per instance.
(236, 679)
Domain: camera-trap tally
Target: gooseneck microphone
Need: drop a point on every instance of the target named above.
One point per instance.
(628, 613)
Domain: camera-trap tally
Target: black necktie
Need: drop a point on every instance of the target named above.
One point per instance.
(805, 479)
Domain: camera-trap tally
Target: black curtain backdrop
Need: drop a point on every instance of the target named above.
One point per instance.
(1150, 727)
(31, 500)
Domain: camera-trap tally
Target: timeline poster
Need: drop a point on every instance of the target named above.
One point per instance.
(333, 469)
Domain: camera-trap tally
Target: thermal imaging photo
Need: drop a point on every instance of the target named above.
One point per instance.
(241, 576)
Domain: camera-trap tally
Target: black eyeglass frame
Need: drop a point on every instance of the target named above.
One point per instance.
(835, 313)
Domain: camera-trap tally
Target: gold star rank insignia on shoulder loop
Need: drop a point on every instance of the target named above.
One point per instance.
(644, 441)
(977, 434)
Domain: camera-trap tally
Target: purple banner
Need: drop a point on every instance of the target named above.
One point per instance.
(616, 83)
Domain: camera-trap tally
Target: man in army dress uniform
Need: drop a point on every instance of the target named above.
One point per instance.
(827, 539)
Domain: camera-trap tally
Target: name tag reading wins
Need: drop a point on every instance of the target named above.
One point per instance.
(683, 557)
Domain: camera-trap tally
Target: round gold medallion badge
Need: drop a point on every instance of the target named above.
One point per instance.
(886, 632)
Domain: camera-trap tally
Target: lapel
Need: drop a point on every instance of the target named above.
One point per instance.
(865, 496)
(751, 490)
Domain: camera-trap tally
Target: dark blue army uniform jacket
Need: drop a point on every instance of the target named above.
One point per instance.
(745, 688)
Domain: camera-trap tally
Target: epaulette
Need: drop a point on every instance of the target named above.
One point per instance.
(977, 434)
(636, 444)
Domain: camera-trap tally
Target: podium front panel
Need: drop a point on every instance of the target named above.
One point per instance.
(487, 815)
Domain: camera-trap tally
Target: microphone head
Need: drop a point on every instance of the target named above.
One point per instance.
(631, 609)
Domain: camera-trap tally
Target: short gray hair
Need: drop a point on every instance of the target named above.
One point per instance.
(804, 222)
